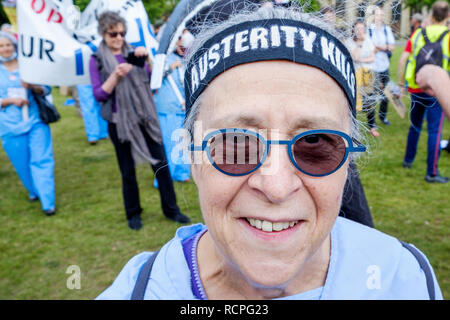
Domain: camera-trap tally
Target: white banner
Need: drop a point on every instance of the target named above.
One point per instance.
(56, 41)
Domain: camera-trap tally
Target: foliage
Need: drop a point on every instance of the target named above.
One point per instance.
(82, 4)
(418, 4)
(157, 9)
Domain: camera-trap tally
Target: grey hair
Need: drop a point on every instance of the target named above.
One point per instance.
(109, 19)
(297, 13)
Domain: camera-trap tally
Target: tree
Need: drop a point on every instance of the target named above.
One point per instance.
(155, 8)
(418, 4)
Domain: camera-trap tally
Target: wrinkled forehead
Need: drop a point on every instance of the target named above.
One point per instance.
(274, 95)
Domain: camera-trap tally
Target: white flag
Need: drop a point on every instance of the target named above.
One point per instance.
(56, 41)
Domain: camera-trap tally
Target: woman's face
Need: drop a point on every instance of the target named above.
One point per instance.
(6, 48)
(379, 16)
(285, 99)
(113, 37)
(360, 31)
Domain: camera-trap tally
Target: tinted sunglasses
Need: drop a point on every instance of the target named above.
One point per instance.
(238, 152)
(115, 34)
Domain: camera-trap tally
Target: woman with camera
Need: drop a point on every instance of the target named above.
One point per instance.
(123, 91)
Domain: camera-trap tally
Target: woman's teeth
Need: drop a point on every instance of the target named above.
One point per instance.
(271, 226)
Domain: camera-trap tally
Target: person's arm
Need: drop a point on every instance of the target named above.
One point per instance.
(20, 102)
(102, 91)
(435, 81)
(39, 90)
(121, 71)
(402, 63)
(96, 81)
(142, 52)
(401, 68)
(390, 39)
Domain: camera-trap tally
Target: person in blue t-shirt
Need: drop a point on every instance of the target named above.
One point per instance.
(272, 120)
(25, 138)
(170, 105)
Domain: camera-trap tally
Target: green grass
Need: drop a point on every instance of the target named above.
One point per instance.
(90, 229)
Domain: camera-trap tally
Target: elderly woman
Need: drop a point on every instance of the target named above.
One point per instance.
(25, 138)
(272, 95)
(123, 91)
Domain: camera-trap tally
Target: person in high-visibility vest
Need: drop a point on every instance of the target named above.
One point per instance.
(423, 104)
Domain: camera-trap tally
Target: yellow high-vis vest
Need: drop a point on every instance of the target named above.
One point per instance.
(417, 42)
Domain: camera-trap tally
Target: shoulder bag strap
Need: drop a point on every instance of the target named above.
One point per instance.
(443, 34)
(425, 267)
(143, 277)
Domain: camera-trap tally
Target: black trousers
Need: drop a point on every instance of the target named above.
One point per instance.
(354, 203)
(383, 79)
(130, 188)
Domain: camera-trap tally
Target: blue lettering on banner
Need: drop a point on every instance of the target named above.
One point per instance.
(79, 65)
(79, 62)
(141, 42)
(149, 27)
(44, 48)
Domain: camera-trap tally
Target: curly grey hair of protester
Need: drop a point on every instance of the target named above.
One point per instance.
(358, 129)
(109, 19)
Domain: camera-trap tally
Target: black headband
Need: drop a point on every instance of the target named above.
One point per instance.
(270, 39)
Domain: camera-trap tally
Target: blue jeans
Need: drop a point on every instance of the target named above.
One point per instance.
(424, 105)
(31, 154)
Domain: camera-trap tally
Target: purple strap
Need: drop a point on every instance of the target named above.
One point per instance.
(190, 253)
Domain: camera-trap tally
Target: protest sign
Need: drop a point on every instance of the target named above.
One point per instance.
(56, 40)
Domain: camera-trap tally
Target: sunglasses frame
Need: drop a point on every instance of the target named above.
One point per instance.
(117, 34)
(289, 143)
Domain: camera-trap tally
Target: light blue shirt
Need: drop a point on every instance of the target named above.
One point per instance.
(12, 122)
(165, 98)
(381, 62)
(364, 264)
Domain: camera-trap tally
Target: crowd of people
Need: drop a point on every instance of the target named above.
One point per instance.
(274, 235)
(147, 133)
(141, 124)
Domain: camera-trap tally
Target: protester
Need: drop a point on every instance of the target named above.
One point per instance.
(25, 138)
(384, 41)
(423, 104)
(416, 22)
(123, 91)
(363, 53)
(354, 202)
(6, 27)
(158, 27)
(96, 128)
(329, 14)
(271, 227)
(170, 104)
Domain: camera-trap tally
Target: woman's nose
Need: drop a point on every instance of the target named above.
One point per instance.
(277, 178)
